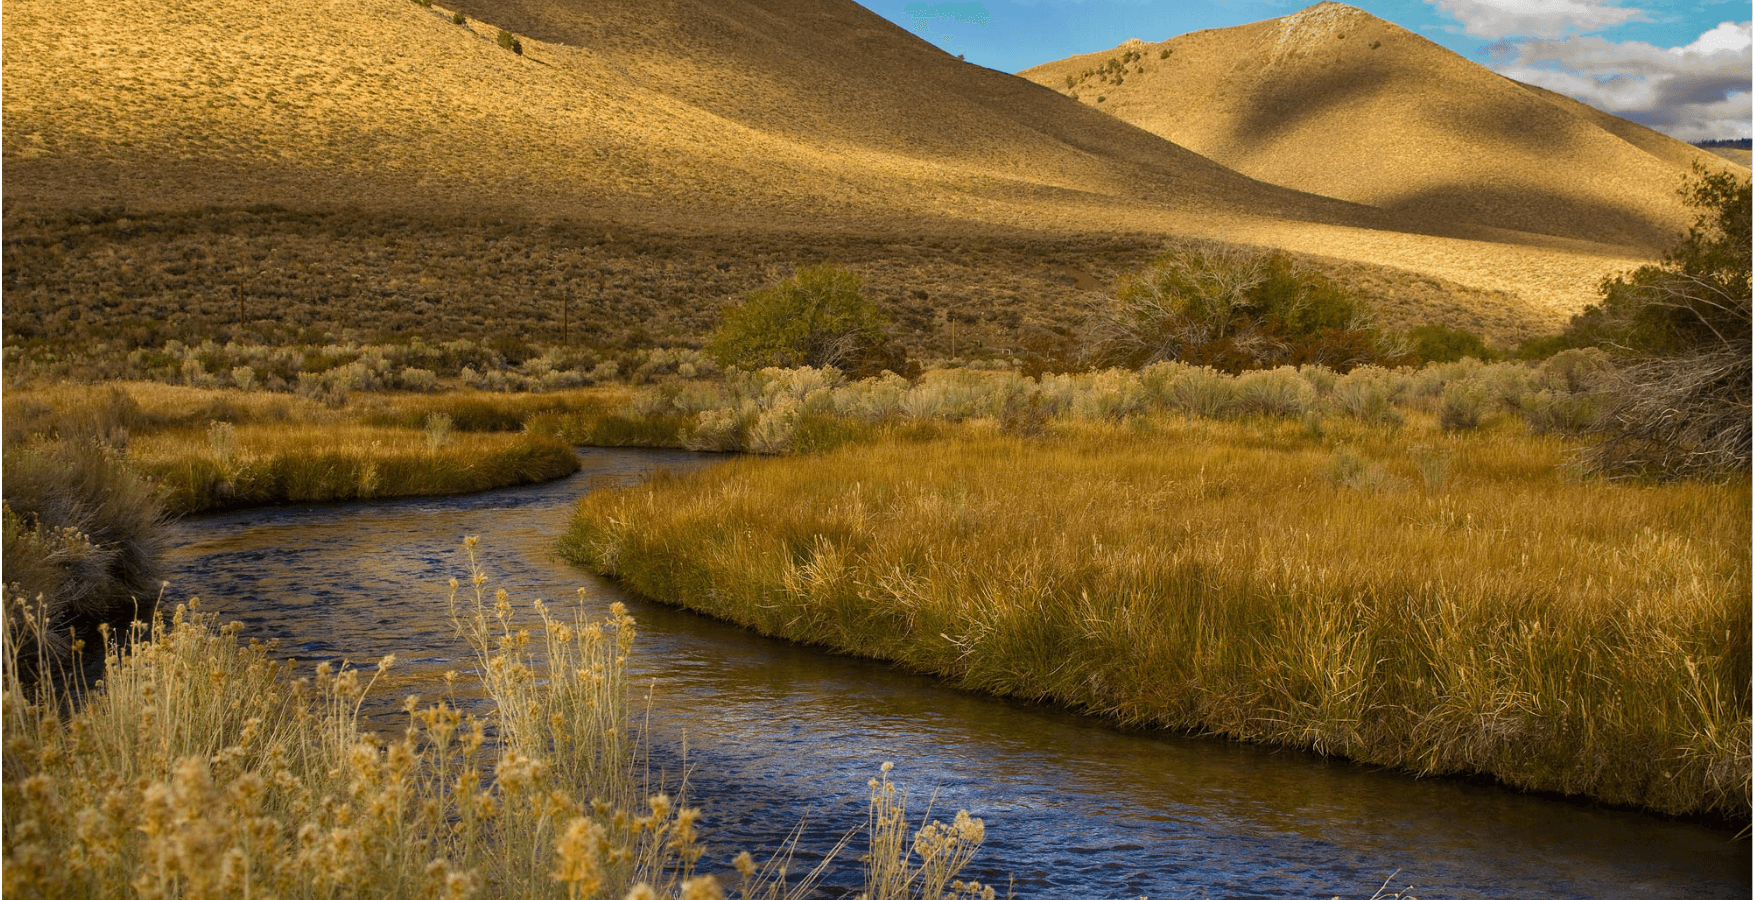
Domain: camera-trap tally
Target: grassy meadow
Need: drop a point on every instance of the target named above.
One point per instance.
(1374, 584)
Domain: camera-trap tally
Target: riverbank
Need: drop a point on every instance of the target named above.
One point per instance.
(207, 449)
(1434, 601)
(200, 767)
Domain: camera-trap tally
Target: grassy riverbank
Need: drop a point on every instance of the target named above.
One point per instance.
(209, 448)
(200, 768)
(1436, 601)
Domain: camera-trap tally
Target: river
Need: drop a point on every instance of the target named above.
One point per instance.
(776, 734)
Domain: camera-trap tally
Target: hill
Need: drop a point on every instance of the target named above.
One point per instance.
(620, 109)
(1335, 101)
(700, 119)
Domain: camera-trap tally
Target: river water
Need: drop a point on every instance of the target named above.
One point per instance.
(773, 734)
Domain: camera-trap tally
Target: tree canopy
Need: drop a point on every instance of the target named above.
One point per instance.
(818, 317)
(1234, 309)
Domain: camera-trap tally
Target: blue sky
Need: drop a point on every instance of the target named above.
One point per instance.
(1681, 67)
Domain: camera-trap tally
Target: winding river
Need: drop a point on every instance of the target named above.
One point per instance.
(776, 733)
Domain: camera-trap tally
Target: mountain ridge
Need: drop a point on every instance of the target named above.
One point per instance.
(1337, 102)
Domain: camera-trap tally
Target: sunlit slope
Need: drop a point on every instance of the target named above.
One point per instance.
(671, 111)
(1734, 154)
(1337, 102)
(374, 101)
(708, 116)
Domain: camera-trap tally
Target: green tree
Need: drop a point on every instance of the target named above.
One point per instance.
(1437, 342)
(818, 317)
(1680, 403)
(1232, 308)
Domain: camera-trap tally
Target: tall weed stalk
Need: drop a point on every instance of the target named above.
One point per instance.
(199, 767)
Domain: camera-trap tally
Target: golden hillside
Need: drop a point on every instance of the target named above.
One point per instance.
(1335, 101)
(715, 117)
(628, 109)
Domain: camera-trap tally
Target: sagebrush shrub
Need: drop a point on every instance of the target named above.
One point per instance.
(1232, 308)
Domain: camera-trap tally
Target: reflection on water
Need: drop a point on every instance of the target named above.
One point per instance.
(775, 733)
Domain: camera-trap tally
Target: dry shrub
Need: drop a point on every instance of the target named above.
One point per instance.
(1675, 417)
(83, 535)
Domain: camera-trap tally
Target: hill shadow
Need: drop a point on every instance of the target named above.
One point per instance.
(1539, 211)
(1273, 110)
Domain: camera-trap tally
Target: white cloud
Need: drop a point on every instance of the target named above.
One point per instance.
(1695, 92)
(1727, 36)
(1537, 18)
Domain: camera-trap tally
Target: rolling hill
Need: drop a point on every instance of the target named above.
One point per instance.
(623, 109)
(710, 118)
(1337, 102)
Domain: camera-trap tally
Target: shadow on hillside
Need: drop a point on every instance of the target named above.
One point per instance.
(1537, 212)
(1281, 107)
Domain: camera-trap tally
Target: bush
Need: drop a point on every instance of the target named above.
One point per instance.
(84, 534)
(1461, 406)
(1679, 404)
(509, 42)
(1233, 309)
(458, 19)
(1442, 343)
(1369, 395)
(817, 318)
(1281, 393)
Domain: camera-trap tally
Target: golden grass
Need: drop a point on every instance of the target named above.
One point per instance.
(254, 465)
(200, 768)
(1440, 603)
(212, 449)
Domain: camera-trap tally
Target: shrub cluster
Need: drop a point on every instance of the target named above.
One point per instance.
(1680, 404)
(817, 318)
(1233, 308)
(332, 370)
(777, 410)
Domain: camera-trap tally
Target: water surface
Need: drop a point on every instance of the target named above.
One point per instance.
(774, 734)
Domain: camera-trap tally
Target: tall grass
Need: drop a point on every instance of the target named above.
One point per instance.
(250, 465)
(210, 448)
(1436, 601)
(200, 767)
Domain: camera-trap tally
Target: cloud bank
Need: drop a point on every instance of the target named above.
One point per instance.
(1695, 92)
(1536, 18)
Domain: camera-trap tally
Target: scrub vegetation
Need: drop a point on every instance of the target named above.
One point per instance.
(1264, 525)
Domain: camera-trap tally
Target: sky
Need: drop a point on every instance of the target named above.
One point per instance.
(1681, 67)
